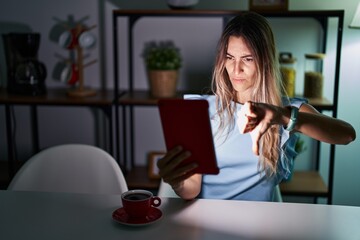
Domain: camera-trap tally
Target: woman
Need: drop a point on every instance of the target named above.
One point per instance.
(254, 126)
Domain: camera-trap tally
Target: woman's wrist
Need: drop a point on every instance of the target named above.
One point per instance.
(285, 115)
(189, 188)
(176, 187)
(292, 118)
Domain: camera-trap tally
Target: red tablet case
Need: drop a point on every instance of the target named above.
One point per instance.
(186, 123)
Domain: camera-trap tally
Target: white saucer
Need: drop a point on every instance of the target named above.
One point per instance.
(120, 216)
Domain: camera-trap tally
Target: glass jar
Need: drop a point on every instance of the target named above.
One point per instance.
(314, 79)
(288, 73)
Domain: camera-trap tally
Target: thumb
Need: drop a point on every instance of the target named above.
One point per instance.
(255, 137)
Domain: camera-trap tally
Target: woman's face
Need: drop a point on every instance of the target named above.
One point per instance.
(241, 68)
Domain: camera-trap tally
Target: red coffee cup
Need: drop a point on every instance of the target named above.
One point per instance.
(137, 203)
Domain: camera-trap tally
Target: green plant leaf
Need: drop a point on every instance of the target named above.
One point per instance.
(163, 55)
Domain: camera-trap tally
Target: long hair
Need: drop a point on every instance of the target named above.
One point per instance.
(257, 33)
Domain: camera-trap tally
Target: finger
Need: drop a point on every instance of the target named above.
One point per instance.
(173, 164)
(252, 120)
(244, 123)
(250, 109)
(176, 179)
(179, 180)
(256, 136)
(181, 174)
(255, 148)
(250, 125)
(249, 129)
(255, 142)
(182, 171)
(169, 155)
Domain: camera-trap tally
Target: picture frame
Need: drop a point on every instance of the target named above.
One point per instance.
(153, 158)
(268, 5)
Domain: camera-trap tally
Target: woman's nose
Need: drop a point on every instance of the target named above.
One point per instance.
(238, 67)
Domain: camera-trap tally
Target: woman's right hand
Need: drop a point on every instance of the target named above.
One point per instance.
(170, 170)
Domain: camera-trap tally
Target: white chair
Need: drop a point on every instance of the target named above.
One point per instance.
(165, 190)
(75, 168)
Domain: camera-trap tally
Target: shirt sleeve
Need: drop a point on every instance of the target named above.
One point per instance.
(288, 143)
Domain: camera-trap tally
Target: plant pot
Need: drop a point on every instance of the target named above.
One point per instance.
(163, 83)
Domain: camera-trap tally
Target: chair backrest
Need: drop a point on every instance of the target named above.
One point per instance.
(76, 168)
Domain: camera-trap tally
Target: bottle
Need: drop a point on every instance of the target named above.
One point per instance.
(288, 73)
(314, 79)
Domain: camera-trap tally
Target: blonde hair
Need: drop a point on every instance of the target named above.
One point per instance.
(257, 33)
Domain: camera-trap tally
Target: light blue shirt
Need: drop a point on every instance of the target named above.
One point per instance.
(240, 177)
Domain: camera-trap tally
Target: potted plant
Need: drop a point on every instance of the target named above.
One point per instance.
(163, 61)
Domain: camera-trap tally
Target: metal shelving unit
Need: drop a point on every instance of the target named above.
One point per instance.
(309, 183)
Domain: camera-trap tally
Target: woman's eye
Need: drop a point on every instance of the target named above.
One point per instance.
(248, 59)
(229, 57)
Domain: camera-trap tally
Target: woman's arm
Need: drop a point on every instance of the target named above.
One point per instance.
(185, 184)
(323, 128)
(189, 188)
(257, 118)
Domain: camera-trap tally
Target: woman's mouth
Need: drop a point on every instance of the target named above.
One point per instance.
(238, 80)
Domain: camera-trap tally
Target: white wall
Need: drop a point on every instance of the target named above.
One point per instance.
(58, 125)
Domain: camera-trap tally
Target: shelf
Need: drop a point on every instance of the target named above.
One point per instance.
(138, 178)
(305, 183)
(104, 100)
(221, 13)
(58, 96)
(143, 97)
(321, 103)
(137, 98)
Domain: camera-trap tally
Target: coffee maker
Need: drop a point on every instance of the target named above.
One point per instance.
(25, 74)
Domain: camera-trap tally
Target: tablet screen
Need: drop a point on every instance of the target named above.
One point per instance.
(186, 123)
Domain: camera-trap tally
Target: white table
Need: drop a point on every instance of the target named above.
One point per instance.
(31, 215)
